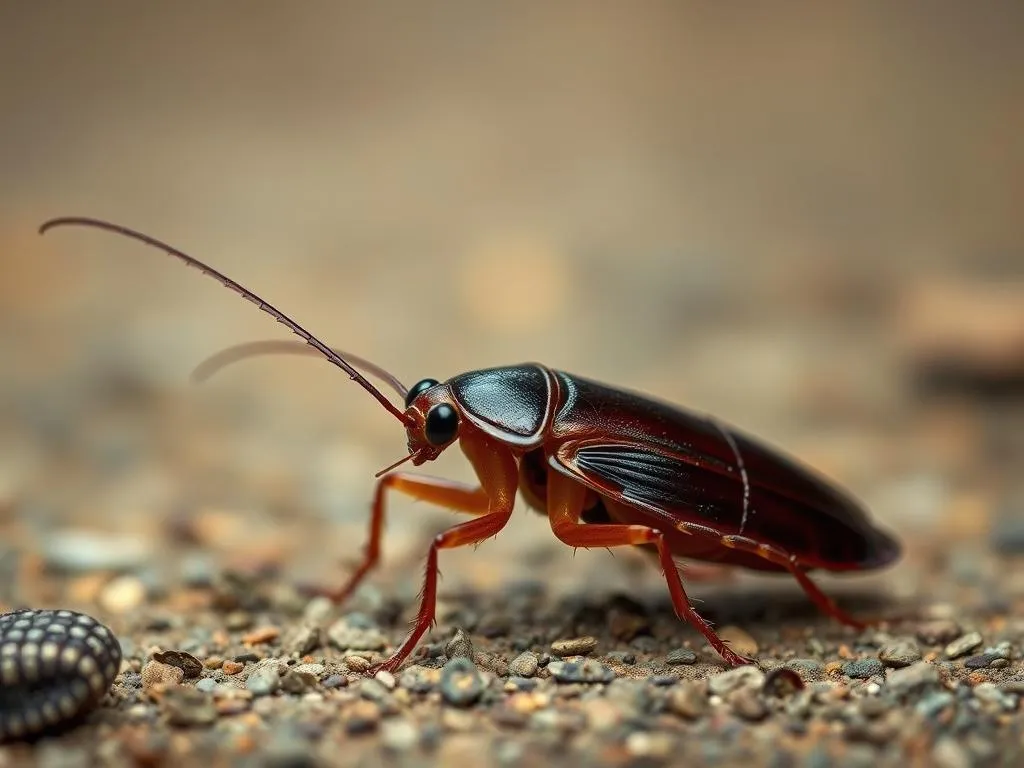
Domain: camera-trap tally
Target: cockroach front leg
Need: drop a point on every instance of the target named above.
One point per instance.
(457, 497)
(496, 467)
(565, 505)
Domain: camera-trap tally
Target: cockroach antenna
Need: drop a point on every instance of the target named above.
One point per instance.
(238, 352)
(328, 353)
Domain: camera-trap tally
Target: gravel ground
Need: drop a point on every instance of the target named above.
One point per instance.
(807, 223)
(537, 655)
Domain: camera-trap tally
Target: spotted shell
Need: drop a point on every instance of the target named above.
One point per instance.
(55, 667)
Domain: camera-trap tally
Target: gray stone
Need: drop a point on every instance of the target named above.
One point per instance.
(963, 645)
(264, 680)
(736, 679)
(524, 665)
(899, 653)
(461, 683)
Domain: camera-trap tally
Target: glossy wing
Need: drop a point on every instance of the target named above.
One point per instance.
(815, 523)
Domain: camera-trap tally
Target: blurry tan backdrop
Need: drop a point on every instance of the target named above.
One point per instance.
(730, 206)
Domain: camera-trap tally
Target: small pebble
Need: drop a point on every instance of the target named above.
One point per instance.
(938, 631)
(621, 657)
(1004, 650)
(862, 669)
(782, 682)
(357, 664)
(492, 663)
(982, 660)
(362, 717)
(899, 653)
(663, 681)
(586, 671)
(688, 700)
(261, 635)
(913, 678)
(188, 707)
(420, 679)
(577, 646)
(524, 665)
(681, 656)
(230, 667)
(459, 647)
(295, 682)
(189, 664)
(398, 735)
(264, 680)
(747, 704)
(318, 610)
(521, 683)
(461, 683)
(963, 645)
(731, 680)
(158, 673)
(305, 640)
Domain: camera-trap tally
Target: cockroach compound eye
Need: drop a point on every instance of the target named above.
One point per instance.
(55, 666)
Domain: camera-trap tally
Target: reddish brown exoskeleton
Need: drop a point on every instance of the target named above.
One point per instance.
(606, 466)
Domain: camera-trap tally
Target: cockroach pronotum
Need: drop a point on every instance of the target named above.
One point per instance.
(608, 467)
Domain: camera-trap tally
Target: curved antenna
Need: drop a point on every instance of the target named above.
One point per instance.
(227, 282)
(239, 352)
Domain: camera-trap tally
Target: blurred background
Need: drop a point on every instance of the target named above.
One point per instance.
(805, 219)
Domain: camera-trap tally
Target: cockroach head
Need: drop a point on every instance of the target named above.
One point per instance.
(434, 419)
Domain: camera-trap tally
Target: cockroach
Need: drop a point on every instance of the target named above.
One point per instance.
(607, 466)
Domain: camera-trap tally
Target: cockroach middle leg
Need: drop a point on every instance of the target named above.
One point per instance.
(498, 473)
(565, 505)
(779, 557)
(457, 497)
